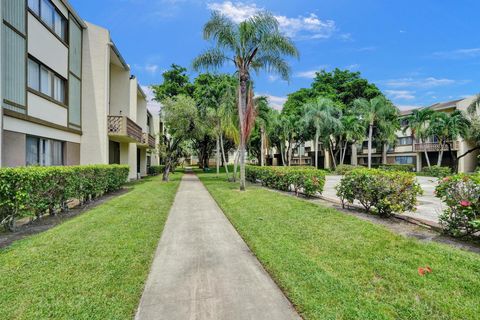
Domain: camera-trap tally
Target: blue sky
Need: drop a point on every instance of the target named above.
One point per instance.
(418, 52)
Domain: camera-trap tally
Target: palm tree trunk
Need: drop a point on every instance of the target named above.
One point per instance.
(317, 134)
(333, 154)
(224, 157)
(344, 153)
(242, 109)
(440, 155)
(235, 164)
(384, 153)
(426, 153)
(370, 135)
(217, 158)
(262, 146)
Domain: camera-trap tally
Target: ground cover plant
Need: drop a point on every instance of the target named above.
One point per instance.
(336, 266)
(383, 192)
(93, 266)
(307, 180)
(35, 191)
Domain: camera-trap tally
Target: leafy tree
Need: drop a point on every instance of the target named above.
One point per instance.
(175, 82)
(259, 139)
(253, 44)
(447, 128)
(418, 123)
(377, 112)
(324, 115)
(180, 113)
(353, 130)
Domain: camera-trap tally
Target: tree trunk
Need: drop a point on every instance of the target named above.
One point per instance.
(224, 158)
(282, 155)
(426, 153)
(217, 158)
(262, 146)
(370, 135)
(242, 109)
(289, 154)
(455, 160)
(317, 134)
(235, 164)
(333, 155)
(440, 155)
(344, 153)
(166, 171)
(384, 153)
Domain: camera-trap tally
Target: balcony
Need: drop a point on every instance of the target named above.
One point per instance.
(123, 129)
(434, 146)
(148, 141)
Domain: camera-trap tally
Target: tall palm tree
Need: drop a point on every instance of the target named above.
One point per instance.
(253, 44)
(447, 128)
(374, 112)
(418, 123)
(352, 131)
(325, 117)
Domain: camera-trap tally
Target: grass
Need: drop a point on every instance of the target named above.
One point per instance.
(336, 266)
(91, 267)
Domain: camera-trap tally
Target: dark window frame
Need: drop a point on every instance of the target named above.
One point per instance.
(54, 74)
(64, 19)
(39, 155)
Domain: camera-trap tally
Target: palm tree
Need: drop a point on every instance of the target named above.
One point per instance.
(262, 119)
(325, 117)
(448, 127)
(353, 131)
(373, 112)
(253, 44)
(418, 123)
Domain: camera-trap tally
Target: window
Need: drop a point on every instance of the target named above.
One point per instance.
(44, 152)
(403, 141)
(404, 122)
(55, 21)
(41, 79)
(404, 160)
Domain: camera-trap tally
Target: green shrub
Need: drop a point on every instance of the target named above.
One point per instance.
(35, 191)
(155, 170)
(436, 171)
(386, 192)
(461, 194)
(342, 169)
(398, 167)
(307, 180)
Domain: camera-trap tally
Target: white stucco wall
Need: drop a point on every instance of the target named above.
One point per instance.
(41, 108)
(17, 125)
(142, 112)
(44, 46)
(120, 92)
(95, 95)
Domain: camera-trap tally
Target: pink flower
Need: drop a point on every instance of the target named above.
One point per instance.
(465, 203)
(446, 179)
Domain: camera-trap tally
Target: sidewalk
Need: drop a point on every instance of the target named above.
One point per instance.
(204, 270)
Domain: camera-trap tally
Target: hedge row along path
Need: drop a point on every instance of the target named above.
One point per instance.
(204, 270)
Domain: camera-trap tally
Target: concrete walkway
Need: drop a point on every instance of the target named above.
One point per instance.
(203, 269)
(429, 207)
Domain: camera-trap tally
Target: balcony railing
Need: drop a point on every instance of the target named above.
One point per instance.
(124, 129)
(148, 141)
(435, 146)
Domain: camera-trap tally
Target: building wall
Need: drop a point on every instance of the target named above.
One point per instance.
(72, 154)
(95, 95)
(120, 93)
(14, 145)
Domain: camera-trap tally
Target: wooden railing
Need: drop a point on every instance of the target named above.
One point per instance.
(124, 127)
(152, 142)
(435, 146)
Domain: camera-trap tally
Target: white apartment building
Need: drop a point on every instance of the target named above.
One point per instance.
(67, 95)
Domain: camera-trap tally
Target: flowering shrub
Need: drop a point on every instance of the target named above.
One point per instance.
(35, 191)
(436, 171)
(308, 180)
(461, 194)
(342, 169)
(398, 167)
(386, 192)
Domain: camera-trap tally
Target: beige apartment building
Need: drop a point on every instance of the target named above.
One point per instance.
(67, 95)
(405, 151)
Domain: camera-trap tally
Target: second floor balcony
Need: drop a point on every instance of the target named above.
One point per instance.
(148, 141)
(124, 129)
(435, 146)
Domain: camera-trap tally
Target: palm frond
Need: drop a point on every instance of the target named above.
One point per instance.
(213, 58)
(272, 63)
(222, 30)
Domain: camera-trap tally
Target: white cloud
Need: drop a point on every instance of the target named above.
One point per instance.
(408, 107)
(310, 74)
(302, 27)
(152, 105)
(458, 54)
(275, 102)
(400, 94)
(150, 68)
(353, 66)
(430, 82)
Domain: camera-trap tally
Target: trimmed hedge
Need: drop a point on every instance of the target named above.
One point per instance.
(436, 171)
(461, 194)
(387, 192)
(35, 191)
(398, 167)
(342, 169)
(155, 170)
(307, 180)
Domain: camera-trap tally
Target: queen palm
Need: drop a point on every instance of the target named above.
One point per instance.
(353, 131)
(418, 123)
(253, 44)
(325, 117)
(375, 112)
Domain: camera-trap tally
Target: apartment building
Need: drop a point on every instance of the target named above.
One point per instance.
(68, 96)
(406, 150)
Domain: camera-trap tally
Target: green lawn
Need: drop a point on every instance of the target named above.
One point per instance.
(91, 267)
(335, 266)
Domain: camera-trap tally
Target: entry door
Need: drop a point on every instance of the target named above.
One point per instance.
(138, 160)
